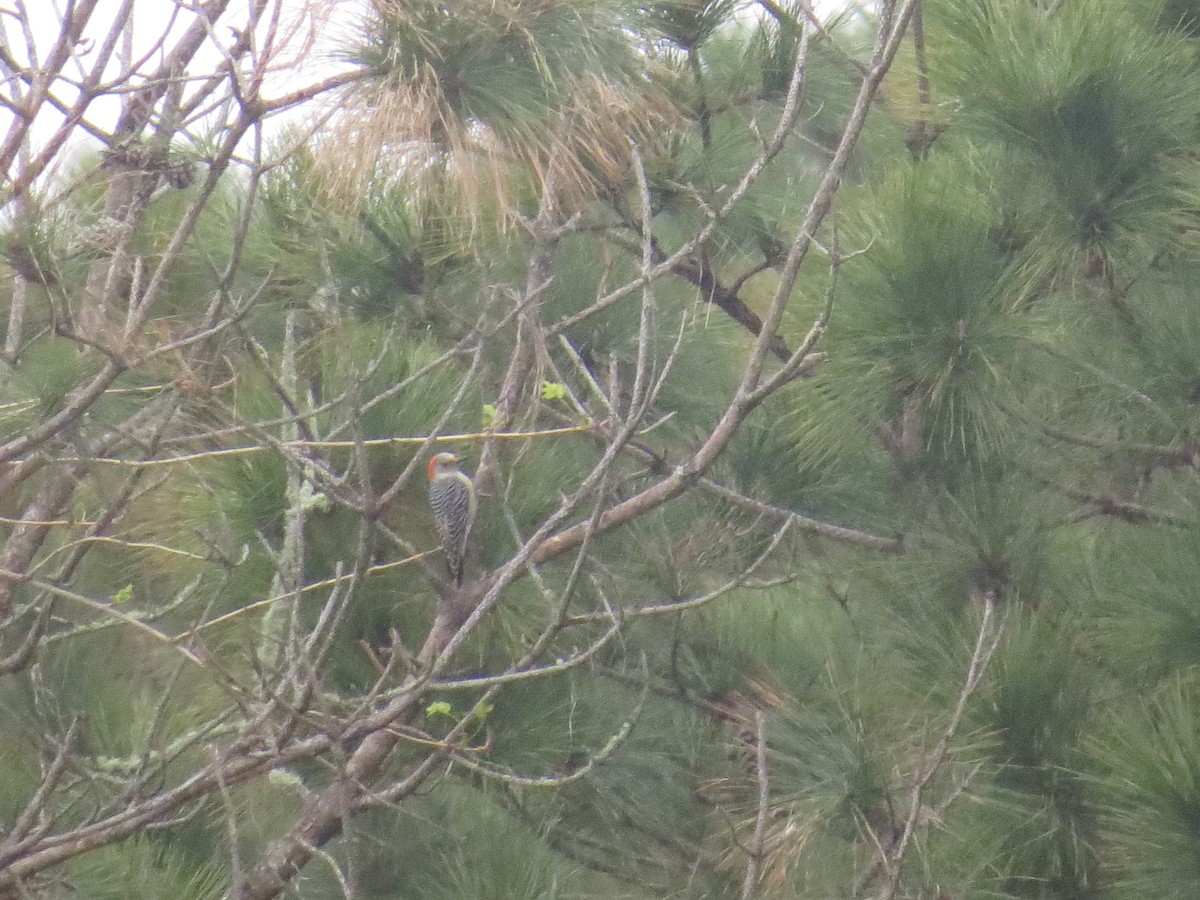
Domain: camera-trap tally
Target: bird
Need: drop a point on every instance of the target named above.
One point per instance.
(452, 500)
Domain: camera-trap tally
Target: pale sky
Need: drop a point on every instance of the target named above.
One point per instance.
(154, 18)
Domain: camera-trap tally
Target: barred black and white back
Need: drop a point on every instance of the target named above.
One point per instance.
(452, 500)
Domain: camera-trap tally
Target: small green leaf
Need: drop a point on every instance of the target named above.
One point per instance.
(124, 595)
(483, 709)
(284, 778)
(489, 414)
(439, 708)
(312, 500)
(260, 351)
(553, 390)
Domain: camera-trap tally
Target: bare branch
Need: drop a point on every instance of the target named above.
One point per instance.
(986, 642)
(758, 841)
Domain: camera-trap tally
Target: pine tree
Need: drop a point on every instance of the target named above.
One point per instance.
(829, 387)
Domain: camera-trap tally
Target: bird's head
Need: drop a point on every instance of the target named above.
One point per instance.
(442, 463)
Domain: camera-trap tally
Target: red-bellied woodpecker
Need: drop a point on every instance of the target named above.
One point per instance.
(452, 499)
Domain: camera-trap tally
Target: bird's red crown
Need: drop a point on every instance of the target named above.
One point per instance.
(437, 459)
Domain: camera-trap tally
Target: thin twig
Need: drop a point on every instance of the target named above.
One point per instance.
(986, 642)
(758, 842)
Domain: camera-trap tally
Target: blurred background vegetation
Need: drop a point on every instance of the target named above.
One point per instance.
(1010, 383)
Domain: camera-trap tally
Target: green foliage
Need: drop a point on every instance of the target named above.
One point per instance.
(1009, 382)
(933, 331)
(440, 708)
(492, 66)
(1146, 615)
(828, 770)
(140, 870)
(460, 842)
(1150, 786)
(1181, 15)
(47, 246)
(48, 370)
(688, 23)
(1041, 703)
(1097, 108)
